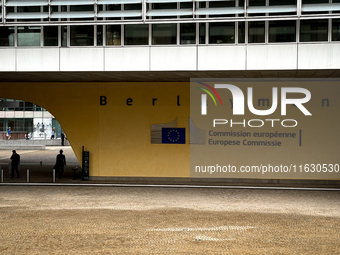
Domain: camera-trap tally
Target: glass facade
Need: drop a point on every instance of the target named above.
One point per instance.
(26, 118)
(75, 23)
(256, 32)
(164, 34)
(336, 30)
(282, 31)
(113, 35)
(82, 35)
(29, 36)
(313, 30)
(188, 33)
(136, 35)
(7, 36)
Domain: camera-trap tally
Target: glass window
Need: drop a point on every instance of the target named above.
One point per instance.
(9, 9)
(99, 35)
(50, 36)
(202, 5)
(132, 7)
(188, 33)
(241, 32)
(53, 9)
(2, 125)
(336, 30)
(11, 105)
(221, 33)
(313, 30)
(335, 1)
(11, 124)
(314, 1)
(136, 34)
(219, 4)
(113, 35)
(28, 9)
(6, 36)
(186, 5)
(38, 108)
(113, 7)
(282, 31)
(256, 32)
(19, 106)
(164, 6)
(81, 8)
(28, 106)
(282, 2)
(29, 36)
(28, 124)
(164, 34)
(64, 36)
(222, 4)
(202, 33)
(257, 3)
(82, 35)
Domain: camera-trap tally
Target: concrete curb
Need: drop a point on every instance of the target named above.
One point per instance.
(167, 186)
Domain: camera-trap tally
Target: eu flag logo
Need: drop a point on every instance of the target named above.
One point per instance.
(173, 135)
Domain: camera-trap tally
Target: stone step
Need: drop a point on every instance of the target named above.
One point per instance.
(22, 147)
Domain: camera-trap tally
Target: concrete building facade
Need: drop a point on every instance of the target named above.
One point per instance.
(110, 71)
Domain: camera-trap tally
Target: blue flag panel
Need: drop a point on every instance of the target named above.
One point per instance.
(173, 135)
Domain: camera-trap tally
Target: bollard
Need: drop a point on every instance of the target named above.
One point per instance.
(40, 166)
(28, 175)
(53, 179)
(2, 175)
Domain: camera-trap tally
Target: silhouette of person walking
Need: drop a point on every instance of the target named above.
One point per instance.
(15, 163)
(60, 163)
(62, 135)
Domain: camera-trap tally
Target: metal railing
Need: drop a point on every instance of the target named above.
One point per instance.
(86, 12)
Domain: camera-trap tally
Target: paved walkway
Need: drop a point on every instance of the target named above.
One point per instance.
(136, 220)
(158, 220)
(41, 173)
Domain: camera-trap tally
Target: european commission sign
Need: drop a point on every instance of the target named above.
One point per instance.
(273, 129)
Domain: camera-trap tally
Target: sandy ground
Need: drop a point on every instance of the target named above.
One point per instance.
(137, 220)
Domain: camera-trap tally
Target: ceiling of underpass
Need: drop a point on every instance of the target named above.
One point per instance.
(158, 76)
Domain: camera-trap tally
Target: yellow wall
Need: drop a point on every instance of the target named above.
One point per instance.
(117, 135)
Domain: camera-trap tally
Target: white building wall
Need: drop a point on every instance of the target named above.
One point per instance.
(319, 56)
(8, 60)
(81, 59)
(179, 58)
(221, 57)
(42, 59)
(173, 58)
(127, 58)
(272, 57)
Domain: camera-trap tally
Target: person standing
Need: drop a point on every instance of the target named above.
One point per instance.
(53, 133)
(62, 135)
(60, 163)
(15, 163)
(9, 133)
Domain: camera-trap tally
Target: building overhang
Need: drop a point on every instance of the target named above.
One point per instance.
(159, 76)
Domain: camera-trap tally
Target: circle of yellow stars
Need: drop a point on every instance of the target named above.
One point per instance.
(172, 131)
